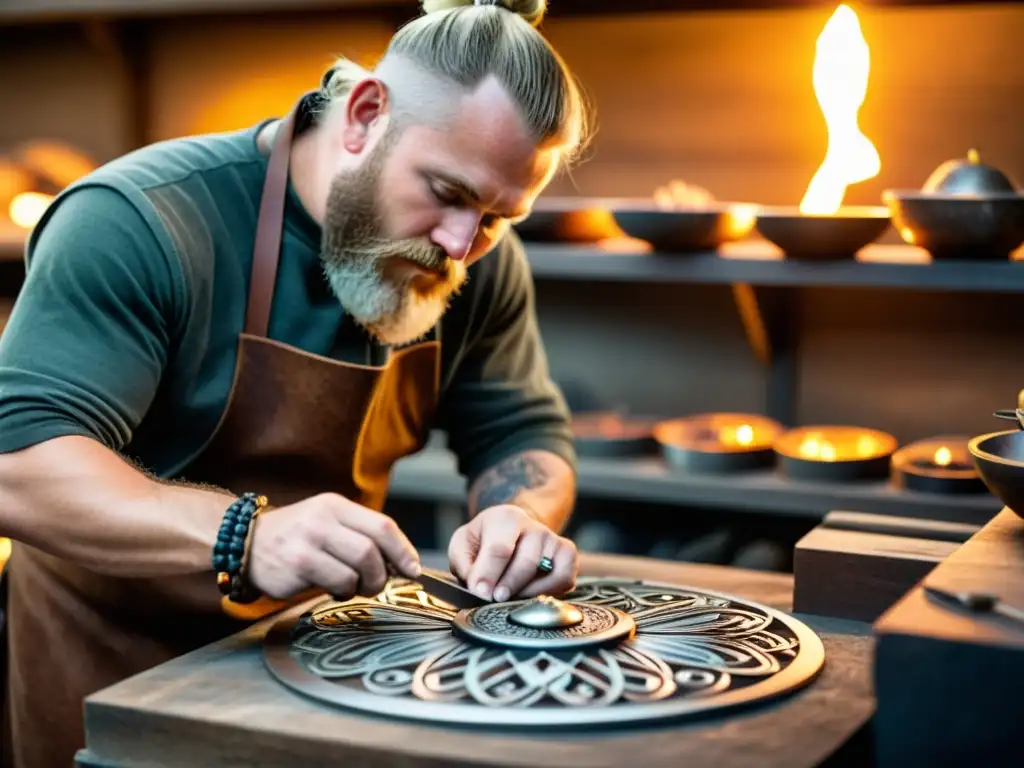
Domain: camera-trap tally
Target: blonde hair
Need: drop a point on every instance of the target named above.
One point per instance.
(460, 43)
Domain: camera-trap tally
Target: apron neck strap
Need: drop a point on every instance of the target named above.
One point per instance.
(269, 226)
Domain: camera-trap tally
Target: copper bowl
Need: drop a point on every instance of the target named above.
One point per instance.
(706, 442)
(822, 237)
(858, 453)
(983, 227)
(999, 457)
(684, 229)
(569, 220)
(609, 434)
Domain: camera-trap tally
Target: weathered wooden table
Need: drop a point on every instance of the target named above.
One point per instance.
(219, 706)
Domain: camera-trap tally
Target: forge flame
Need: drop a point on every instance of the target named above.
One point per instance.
(841, 66)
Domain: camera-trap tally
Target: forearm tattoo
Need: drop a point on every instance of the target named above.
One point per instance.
(504, 482)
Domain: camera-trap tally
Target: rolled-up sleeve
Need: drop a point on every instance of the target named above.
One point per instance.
(500, 399)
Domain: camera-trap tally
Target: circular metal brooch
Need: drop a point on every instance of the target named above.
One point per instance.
(612, 651)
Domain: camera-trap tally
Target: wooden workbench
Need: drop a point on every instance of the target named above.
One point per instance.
(219, 706)
(948, 680)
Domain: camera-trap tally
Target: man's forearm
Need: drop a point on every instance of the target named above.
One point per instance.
(75, 499)
(541, 482)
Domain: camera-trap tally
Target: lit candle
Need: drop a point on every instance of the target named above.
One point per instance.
(742, 435)
(817, 448)
(718, 442)
(938, 465)
(835, 452)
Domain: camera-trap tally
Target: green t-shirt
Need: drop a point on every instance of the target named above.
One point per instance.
(137, 279)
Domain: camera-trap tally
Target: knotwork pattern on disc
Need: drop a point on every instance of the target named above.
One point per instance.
(396, 654)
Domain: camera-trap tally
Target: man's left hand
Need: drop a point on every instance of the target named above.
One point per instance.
(498, 555)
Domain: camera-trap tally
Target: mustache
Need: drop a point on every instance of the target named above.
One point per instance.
(418, 250)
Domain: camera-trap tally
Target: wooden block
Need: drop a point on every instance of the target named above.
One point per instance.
(948, 681)
(856, 565)
(917, 528)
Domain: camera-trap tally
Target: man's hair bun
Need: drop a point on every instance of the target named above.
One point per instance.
(532, 11)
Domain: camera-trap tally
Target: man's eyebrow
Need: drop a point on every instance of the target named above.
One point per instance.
(461, 184)
(469, 191)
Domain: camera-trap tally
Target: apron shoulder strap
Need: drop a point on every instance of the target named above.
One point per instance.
(267, 248)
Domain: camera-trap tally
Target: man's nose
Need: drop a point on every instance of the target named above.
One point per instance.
(457, 232)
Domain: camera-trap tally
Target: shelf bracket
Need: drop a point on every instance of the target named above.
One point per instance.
(753, 321)
(770, 318)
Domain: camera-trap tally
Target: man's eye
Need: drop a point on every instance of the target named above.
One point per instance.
(445, 195)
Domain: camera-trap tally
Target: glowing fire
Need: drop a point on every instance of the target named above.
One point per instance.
(943, 457)
(28, 208)
(817, 448)
(841, 66)
(741, 435)
(745, 434)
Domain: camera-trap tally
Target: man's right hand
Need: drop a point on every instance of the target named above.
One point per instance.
(327, 542)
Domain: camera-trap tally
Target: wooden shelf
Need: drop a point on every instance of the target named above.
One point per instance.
(754, 263)
(431, 476)
(35, 11)
(758, 263)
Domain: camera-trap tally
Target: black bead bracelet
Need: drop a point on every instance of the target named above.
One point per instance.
(229, 552)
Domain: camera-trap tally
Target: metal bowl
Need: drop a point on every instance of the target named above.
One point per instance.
(569, 220)
(822, 237)
(962, 227)
(685, 230)
(969, 176)
(610, 434)
(706, 442)
(999, 457)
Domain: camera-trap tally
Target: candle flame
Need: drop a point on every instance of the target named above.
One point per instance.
(28, 208)
(840, 75)
(943, 457)
(819, 448)
(745, 434)
(742, 435)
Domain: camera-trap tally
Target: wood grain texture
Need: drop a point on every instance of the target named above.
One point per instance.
(937, 530)
(219, 706)
(858, 575)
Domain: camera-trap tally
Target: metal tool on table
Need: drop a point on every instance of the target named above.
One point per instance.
(441, 585)
(448, 588)
(976, 602)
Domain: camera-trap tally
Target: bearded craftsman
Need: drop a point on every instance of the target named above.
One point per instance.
(224, 343)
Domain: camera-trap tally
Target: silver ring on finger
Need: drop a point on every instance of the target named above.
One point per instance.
(546, 564)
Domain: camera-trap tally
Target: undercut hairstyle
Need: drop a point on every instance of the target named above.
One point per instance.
(453, 47)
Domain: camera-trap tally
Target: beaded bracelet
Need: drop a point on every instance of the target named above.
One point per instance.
(231, 549)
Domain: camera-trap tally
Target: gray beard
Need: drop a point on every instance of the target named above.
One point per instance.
(394, 313)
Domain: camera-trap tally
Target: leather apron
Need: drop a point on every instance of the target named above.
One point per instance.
(296, 424)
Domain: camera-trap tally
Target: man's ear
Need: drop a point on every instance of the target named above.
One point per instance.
(367, 104)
